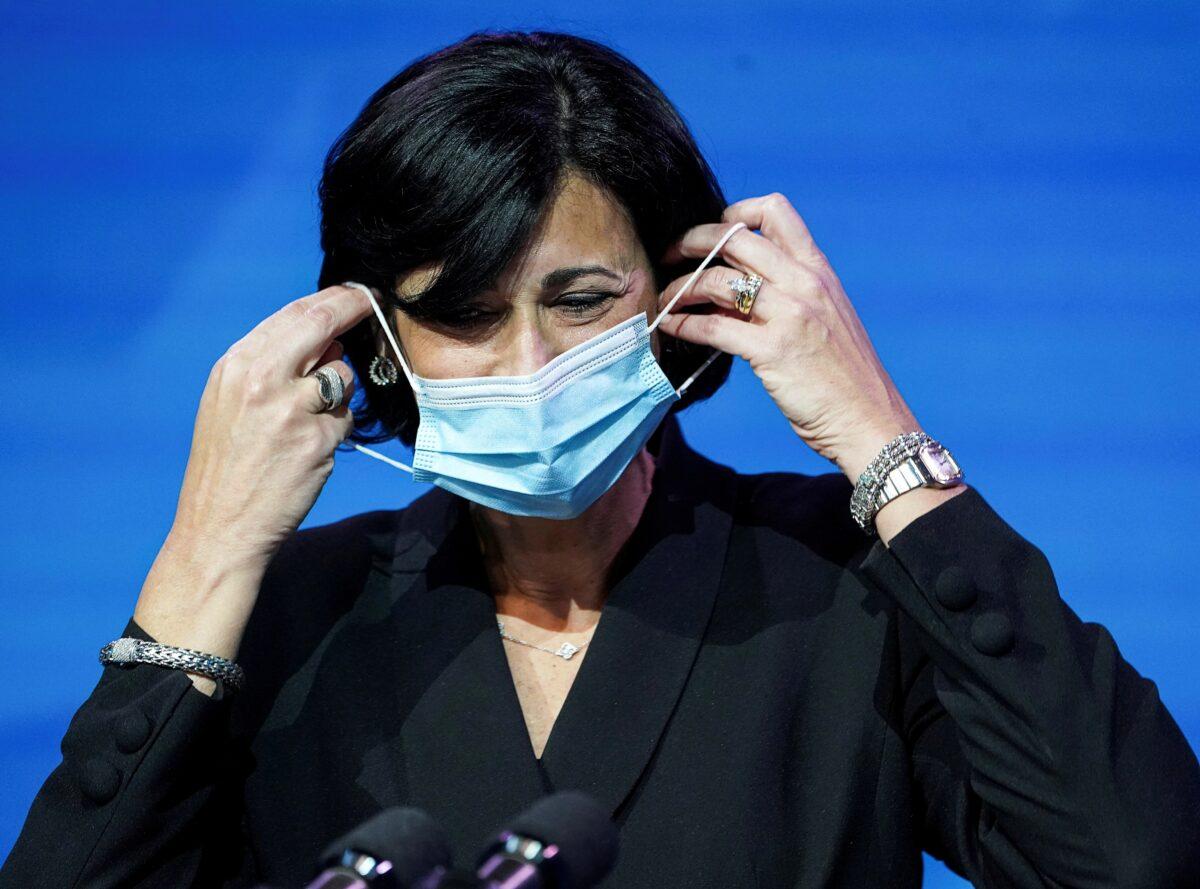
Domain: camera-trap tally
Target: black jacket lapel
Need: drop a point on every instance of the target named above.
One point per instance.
(463, 748)
(649, 631)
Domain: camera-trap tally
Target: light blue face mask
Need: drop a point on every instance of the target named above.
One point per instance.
(551, 442)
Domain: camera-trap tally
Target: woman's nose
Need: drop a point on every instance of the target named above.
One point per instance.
(529, 349)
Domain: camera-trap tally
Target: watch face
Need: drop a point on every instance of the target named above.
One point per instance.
(939, 464)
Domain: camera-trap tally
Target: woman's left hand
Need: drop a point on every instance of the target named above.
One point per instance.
(802, 338)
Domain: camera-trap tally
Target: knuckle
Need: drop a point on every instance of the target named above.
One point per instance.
(221, 366)
(296, 309)
(811, 321)
(230, 368)
(259, 375)
(320, 315)
(313, 446)
(732, 211)
(233, 358)
(715, 280)
(777, 199)
(798, 310)
(808, 281)
(255, 385)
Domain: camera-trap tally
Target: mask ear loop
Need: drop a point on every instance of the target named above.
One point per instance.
(387, 331)
(691, 280)
(412, 380)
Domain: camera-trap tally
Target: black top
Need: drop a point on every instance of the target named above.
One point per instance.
(769, 700)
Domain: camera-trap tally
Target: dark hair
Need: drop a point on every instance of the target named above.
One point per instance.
(455, 159)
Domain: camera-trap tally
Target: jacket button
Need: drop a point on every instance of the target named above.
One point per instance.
(132, 731)
(954, 589)
(992, 633)
(99, 780)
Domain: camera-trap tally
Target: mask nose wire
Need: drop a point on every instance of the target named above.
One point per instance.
(387, 331)
(691, 280)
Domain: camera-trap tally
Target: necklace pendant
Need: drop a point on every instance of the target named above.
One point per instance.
(566, 650)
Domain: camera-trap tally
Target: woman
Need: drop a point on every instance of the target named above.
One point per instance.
(761, 693)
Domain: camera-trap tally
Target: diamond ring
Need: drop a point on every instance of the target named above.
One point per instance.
(332, 386)
(746, 287)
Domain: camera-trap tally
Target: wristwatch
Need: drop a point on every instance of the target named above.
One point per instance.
(930, 467)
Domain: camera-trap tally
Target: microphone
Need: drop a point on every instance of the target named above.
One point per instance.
(396, 849)
(563, 841)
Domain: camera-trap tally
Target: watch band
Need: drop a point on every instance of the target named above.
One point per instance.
(127, 651)
(904, 478)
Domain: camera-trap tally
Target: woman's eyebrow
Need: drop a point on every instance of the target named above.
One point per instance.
(567, 274)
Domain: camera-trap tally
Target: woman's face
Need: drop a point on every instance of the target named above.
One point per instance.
(584, 271)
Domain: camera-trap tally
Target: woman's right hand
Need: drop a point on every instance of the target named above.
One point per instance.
(262, 450)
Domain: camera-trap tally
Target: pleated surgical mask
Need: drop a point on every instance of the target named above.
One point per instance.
(551, 442)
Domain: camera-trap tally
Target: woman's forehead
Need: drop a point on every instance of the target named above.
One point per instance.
(583, 227)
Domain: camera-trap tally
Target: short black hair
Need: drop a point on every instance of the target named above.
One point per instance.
(456, 158)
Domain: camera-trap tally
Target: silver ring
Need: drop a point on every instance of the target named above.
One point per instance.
(331, 386)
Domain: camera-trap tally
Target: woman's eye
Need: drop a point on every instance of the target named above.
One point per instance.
(583, 303)
(467, 316)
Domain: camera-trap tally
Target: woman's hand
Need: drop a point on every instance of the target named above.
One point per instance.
(802, 338)
(262, 450)
(263, 447)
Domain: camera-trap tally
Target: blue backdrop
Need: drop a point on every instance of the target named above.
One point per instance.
(1009, 194)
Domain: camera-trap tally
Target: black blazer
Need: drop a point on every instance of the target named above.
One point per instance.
(769, 700)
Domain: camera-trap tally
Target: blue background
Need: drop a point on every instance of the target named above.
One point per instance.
(1008, 192)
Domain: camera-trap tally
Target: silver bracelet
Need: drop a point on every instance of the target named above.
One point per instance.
(864, 500)
(127, 650)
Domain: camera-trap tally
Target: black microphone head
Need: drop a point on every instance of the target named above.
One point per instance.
(409, 838)
(581, 828)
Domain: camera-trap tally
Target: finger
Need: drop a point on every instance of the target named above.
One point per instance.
(299, 333)
(712, 286)
(310, 387)
(335, 351)
(720, 331)
(777, 219)
(745, 250)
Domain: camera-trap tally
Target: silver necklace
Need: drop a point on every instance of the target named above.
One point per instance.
(565, 651)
